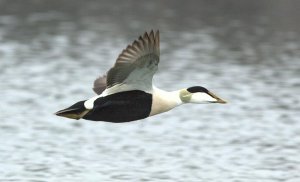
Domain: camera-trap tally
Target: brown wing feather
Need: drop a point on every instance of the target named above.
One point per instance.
(141, 52)
(127, 60)
(100, 84)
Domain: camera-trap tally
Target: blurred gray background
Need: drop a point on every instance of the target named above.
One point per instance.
(248, 52)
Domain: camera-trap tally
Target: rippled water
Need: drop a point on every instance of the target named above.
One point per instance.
(50, 54)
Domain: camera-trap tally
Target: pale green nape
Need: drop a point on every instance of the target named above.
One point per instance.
(185, 96)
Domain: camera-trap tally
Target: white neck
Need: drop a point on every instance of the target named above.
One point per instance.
(164, 101)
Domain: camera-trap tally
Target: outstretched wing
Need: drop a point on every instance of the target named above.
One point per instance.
(135, 66)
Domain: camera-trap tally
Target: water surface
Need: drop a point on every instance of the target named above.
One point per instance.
(248, 53)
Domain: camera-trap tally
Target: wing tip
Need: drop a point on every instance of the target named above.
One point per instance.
(146, 43)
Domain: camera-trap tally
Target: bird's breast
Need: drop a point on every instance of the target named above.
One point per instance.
(162, 101)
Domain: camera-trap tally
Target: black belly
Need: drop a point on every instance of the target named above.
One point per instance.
(121, 107)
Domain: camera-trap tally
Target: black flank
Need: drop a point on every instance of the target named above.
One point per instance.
(121, 107)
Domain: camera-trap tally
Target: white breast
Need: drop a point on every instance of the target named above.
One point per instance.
(163, 101)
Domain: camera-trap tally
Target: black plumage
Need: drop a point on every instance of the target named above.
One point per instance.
(121, 107)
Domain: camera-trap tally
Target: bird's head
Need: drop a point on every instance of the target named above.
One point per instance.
(76, 111)
(199, 95)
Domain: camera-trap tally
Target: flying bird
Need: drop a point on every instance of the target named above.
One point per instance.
(126, 92)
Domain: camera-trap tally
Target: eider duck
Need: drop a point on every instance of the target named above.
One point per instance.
(126, 92)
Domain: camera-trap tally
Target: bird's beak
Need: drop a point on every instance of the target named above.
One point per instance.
(219, 100)
(72, 113)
